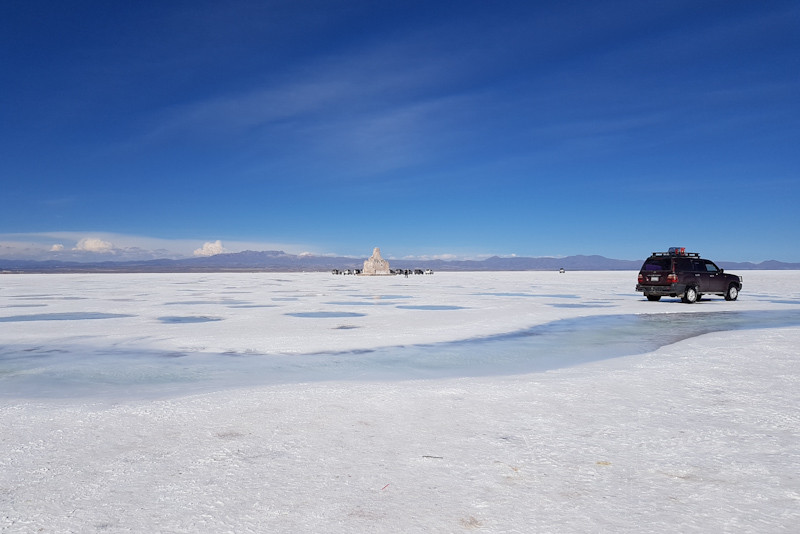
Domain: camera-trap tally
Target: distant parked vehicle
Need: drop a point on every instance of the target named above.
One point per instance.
(677, 273)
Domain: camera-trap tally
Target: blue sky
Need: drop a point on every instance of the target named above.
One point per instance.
(459, 129)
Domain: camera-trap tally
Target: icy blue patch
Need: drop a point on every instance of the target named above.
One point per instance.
(506, 295)
(581, 305)
(359, 303)
(65, 316)
(433, 307)
(381, 297)
(174, 355)
(46, 297)
(325, 314)
(188, 319)
(201, 302)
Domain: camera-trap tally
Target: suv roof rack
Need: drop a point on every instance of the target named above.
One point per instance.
(674, 253)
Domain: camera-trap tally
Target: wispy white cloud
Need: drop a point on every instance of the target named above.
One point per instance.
(236, 113)
(377, 110)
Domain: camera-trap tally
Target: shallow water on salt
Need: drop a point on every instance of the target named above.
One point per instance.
(111, 373)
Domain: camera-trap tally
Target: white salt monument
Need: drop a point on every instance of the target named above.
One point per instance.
(376, 265)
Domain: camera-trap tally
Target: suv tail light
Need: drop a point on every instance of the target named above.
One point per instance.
(672, 278)
(641, 278)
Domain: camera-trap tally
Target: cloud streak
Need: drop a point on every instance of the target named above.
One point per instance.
(374, 111)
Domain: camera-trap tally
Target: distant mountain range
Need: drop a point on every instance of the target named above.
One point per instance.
(279, 261)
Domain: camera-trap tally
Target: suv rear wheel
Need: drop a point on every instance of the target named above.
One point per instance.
(690, 296)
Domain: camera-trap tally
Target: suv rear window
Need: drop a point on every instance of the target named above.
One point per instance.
(657, 264)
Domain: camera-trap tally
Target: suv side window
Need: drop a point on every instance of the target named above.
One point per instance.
(710, 267)
(683, 264)
(698, 265)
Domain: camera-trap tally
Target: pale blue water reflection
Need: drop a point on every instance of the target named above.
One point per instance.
(111, 374)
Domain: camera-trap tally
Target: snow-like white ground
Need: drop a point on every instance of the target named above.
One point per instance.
(508, 435)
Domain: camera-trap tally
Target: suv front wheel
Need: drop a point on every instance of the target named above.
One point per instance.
(690, 295)
(732, 293)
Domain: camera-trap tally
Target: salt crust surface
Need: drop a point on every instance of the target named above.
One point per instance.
(698, 436)
(252, 313)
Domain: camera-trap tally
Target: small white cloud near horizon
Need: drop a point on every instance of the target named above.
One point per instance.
(93, 244)
(40, 246)
(210, 249)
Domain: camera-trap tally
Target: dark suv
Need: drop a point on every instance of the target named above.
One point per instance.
(678, 273)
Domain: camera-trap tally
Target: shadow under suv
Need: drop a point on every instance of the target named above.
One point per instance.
(678, 273)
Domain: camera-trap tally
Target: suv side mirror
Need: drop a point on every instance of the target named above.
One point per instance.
(721, 270)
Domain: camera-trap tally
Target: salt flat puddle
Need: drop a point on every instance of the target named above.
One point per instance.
(108, 373)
